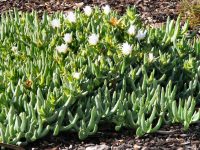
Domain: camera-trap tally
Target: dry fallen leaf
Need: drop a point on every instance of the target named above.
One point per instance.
(79, 5)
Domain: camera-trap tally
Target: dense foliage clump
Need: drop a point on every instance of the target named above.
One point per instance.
(191, 10)
(73, 71)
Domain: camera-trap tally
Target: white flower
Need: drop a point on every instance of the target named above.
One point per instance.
(68, 38)
(106, 9)
(93, 39)
(55, 23)
(76, 75)
(87, 10)
(62, 48)
(151, 57)
(99, 58)
(141, 34)
(71, 17)
(14, 49)
(126, 48)
(132, 30)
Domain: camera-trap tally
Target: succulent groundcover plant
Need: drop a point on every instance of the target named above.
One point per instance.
(72, 71)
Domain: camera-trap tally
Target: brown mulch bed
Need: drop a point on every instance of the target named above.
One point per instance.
(153, 12)
(167, 138)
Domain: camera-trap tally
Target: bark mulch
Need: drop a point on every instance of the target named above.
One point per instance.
(153, 12)
(167, 138)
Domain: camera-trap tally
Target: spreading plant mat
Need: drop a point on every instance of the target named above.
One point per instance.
(71, 72)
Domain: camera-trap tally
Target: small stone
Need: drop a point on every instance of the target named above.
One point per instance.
(183, 135)
(128, 146)
(81, 148)
(98, 147)
(70, 147)
(136, 147)
(145, 8)
(131, 142)
(89, 145)
(120, 141)
(168, 139)
(144, 148)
